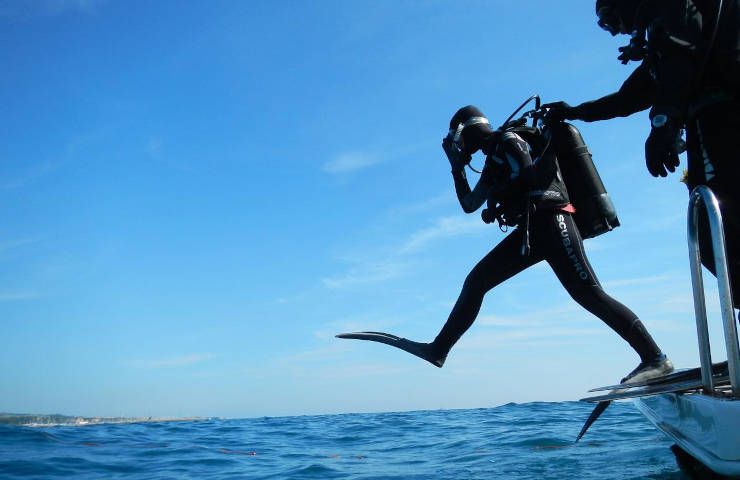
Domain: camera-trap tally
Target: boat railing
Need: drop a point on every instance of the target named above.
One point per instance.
(703, 196)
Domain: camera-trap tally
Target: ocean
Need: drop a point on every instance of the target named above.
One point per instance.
(515, 441)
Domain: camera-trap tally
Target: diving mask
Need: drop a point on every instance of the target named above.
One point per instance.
(610, 20)
(454, 135)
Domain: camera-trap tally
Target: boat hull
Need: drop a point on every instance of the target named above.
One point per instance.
(706, 427)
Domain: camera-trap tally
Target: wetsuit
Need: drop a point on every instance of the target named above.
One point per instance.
(697, 89)
(508, 182)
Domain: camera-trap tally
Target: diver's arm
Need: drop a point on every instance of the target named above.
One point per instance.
(674, 37)
(635, 94)
(675, 74)
(470, 200)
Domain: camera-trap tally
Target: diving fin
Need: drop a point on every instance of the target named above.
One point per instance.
(718, 369)
(421, 350)
(680, 386)
(595, 414)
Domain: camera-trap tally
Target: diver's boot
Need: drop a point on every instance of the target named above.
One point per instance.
(426, 351)
(656, 367)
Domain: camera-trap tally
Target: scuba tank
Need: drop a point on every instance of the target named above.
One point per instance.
(595, 212)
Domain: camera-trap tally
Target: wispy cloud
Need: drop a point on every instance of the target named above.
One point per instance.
(30, 175)
(396, 259)
(647, 280)
(552, 335)
(349, 162)
(16, 243)
(155, 149)
(442, 228)
(75, 5)
(663, 223)
(75, 148)
(173, 362)
(366, 273)
(17, 296)
(533, 318)
(154, 146)
(49, 7)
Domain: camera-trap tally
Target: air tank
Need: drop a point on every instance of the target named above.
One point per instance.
(595, 212)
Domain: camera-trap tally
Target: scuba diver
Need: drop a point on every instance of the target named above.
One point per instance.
(689, 77)
(522, 186)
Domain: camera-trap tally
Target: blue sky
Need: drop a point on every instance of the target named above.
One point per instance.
(196, 196)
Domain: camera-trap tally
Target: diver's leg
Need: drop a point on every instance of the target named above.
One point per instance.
(500, 264)
(569, 262)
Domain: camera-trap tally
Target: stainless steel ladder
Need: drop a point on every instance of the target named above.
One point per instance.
(703, 196)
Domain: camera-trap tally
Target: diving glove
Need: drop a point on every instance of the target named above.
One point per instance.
(457, 158)
(635, 51)
(559, 111)
(663, 146)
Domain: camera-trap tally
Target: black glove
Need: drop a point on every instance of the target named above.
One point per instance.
(558, 111)
(457, 158)
(635, 51)
(488, 215)
(663, 146)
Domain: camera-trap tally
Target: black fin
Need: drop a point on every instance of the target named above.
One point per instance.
(595, 414)
(421, 350)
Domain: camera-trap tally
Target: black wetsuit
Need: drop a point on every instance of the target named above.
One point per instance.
(701, 90)
(508, 179)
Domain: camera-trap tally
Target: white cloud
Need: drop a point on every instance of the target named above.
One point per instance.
(349, 162)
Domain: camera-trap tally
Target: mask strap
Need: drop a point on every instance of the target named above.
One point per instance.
(457, 132)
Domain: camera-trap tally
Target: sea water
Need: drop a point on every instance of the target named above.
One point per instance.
(514, 441)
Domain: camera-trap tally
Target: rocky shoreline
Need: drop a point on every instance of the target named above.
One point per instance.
(37, 420)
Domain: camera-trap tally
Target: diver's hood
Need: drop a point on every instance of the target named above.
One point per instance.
(613, 12)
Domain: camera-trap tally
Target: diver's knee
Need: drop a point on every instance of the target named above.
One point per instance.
(473, 284)
(584, 295)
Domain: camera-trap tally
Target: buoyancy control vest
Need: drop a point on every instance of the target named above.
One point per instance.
(595, 213)
(549, 189)
(508, 195)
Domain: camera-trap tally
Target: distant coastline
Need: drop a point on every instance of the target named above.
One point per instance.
(39, 420)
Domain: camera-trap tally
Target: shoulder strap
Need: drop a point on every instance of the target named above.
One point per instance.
(533, 137)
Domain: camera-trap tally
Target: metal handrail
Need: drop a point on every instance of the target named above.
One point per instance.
(703, 195)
